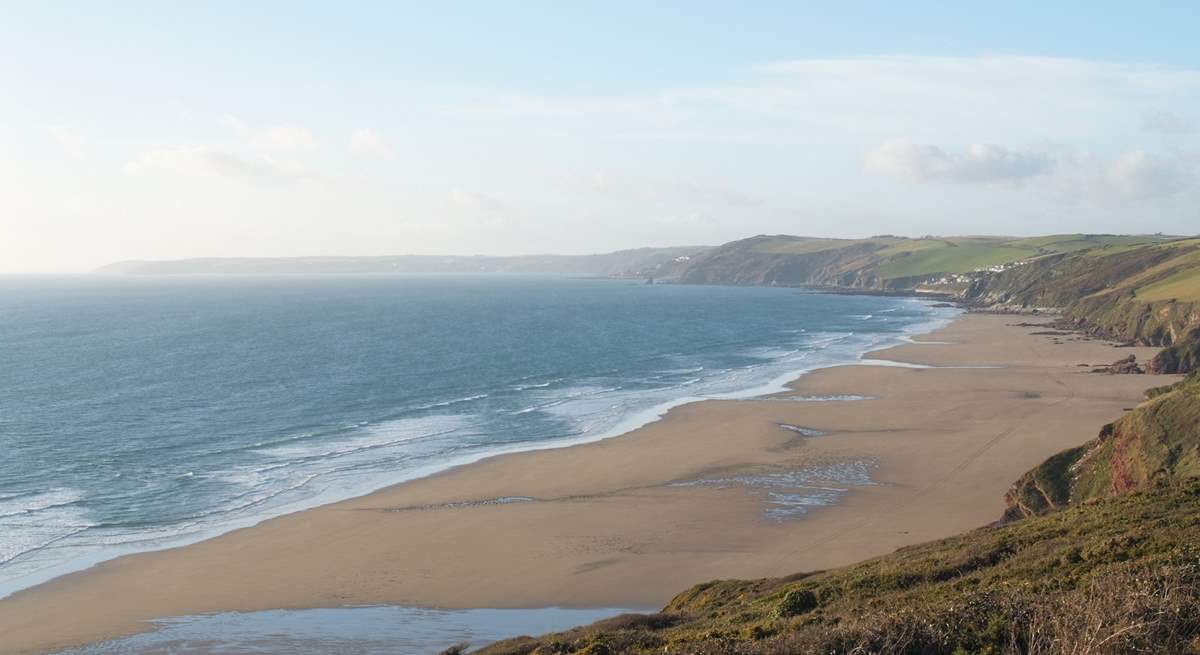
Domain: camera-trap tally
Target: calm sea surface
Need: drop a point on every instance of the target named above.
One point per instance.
(138, 413)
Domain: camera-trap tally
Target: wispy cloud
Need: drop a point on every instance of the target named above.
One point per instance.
(286, 137)
(274, 137)
(207, 161)
(1131, 175)
(67, 139)
(980, 163)
(370, 142)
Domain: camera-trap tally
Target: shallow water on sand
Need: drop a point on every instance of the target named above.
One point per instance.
(376, 630)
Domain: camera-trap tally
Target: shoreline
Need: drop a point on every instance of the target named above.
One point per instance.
(632, 422)
(605, 524)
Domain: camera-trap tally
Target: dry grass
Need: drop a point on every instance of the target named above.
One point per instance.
(1112, 576)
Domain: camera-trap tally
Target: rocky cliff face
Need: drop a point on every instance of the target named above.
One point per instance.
(1181, 357)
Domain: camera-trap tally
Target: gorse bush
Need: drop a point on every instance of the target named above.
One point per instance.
(796, 601)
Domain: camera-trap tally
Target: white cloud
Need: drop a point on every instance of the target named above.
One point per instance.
(66, 139)
(206, 161)
(980, 163)
(476, 201)
(1139, 175)
(238, 125)
(285, 137)
(780, 148)
(853, 102)
(370, 142)
(1131, 175)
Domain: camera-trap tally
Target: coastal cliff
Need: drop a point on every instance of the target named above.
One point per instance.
(948, 264)
(1096, 555)
(1110, 577)
(1158, 442)
(1136, 289)
(1149, 295)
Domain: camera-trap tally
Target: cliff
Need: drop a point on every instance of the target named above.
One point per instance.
(1158, 442)
(1097, 551)
(1096, 555)
(882, 262)
(1148, 294)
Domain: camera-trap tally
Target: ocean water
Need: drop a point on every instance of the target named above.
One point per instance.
(142, 413)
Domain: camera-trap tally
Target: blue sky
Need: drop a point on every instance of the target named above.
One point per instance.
(154, 131)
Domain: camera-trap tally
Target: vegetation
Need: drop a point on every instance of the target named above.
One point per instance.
(880, 262)
(952, 258)
(1099, 554)
(1113, 576)
(1180, 357)
(1148, 294)
(1159, 440)
(1143, 289)
(1099, 551)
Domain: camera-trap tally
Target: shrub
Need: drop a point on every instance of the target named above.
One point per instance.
(796, 601)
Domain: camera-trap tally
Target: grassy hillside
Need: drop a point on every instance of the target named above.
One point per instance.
(1158, 441)
(1100, 554)
(1133, 288)
(1149, 294)
(881, 262)
(1114, 576)
(1110, 274)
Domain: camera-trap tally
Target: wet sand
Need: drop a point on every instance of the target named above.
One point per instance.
(623, 522)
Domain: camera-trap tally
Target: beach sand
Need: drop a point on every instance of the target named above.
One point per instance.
(606, 526)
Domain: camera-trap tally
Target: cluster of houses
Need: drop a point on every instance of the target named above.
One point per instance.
(963, 278)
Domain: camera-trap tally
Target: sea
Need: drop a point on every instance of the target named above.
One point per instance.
(138, 413)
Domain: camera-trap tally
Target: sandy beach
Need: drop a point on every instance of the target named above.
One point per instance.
(623, 522)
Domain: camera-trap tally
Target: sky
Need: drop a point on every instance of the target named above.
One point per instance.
(148, 130)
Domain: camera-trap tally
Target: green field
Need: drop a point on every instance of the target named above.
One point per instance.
(901, 257)
(965, 254)
(891, 261)
(952, 258)
(1183, 286)
(784, 245)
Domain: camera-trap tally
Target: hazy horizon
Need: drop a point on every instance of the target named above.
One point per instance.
(290, 130)
(606, 252)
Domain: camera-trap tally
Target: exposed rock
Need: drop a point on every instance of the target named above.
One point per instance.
(1182, 357)
(1126, 366)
